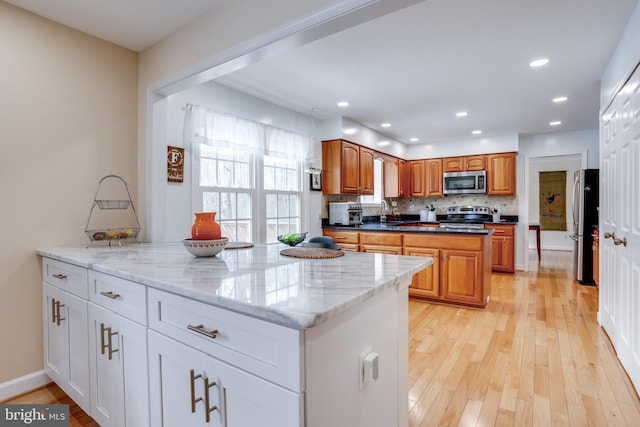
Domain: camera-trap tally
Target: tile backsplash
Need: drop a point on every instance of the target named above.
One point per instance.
(508, 204)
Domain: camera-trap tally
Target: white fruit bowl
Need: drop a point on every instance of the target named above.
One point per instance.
(203, 248)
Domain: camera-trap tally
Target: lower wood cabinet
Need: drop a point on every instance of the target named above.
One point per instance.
(461, 270)
(502, 248)
(381, 243)
(347, 240)
(426, 283)
(461, 273)
(596, 256)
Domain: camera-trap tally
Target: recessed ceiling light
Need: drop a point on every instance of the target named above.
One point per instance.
(343, 104)
(414, 139)
(386, 125)
(560, 99)
(555, 123)
(461, 114)
(383, 143)
(477, 132)
(350, 131)
(539, 62)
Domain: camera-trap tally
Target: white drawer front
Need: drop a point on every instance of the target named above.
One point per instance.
(118, 295)
(68, 277)
(265, 349)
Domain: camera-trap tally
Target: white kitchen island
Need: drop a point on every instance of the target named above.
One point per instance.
(246, 338)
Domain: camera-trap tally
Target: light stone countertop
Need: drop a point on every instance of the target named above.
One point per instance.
(258, 282)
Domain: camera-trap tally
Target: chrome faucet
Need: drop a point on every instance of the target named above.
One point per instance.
(384, 207)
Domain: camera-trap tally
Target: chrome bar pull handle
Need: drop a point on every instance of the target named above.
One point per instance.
(60, 276)
(60, 318)
(201, 330)
(109, 343)
(53, 310)
(209, 410)
(194, 377)
(110, 295)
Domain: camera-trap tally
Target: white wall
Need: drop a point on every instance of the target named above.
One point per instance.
(461, 147)
(624, 60)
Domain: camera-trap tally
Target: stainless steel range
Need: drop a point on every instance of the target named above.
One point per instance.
(466, 217)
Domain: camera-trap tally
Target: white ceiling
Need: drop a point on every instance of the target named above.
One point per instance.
(414, 68)
(134, 24)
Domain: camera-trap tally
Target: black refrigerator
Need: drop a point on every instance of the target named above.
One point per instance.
(585, 220)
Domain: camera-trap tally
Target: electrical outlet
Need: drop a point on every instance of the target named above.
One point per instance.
(412, 208)
(394, 203)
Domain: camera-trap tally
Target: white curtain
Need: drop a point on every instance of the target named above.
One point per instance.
(217, 129)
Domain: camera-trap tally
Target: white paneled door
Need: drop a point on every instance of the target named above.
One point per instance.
(620, 225)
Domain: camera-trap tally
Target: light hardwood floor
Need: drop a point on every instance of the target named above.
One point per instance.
(535, 357)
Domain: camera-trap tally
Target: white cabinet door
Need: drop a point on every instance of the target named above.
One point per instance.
(620, 226)
(66, 350)
(118, 360)
(188, 387)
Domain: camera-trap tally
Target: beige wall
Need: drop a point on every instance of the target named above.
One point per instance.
(68, 116)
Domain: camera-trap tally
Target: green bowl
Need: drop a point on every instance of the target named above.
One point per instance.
(292, 239)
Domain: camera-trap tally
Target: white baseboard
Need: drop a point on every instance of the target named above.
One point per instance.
(23, 384)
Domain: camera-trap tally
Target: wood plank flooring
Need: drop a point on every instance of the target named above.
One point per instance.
(51, 393)
(535, 357)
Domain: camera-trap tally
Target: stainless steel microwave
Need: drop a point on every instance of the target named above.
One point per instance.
(473, 182)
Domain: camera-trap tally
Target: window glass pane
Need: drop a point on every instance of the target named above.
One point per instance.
(210, 201)
(272, 205)
(281, 177)
(283, 205)
(292, 179)
(207, 172)
(269, 178)
(244, 205)
(294, 205)
(241, 175)
(227, 205)
(225, 173)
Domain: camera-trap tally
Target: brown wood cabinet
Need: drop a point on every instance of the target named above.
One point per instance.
(502, 247)
(462, 271)
(501, 174)
(426, 283)
(381, 243)
(596, 256)
(464, 163)
(405, 178)
(433, 169)
(347, 240)
(347, 168)
(418, 178)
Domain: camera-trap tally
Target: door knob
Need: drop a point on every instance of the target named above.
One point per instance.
(608, 235)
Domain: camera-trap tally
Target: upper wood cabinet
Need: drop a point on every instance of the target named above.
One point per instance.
(347, 168)
(418, 179)
(405, 178)
(501, 174)
(434, 178)
(464, 163)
